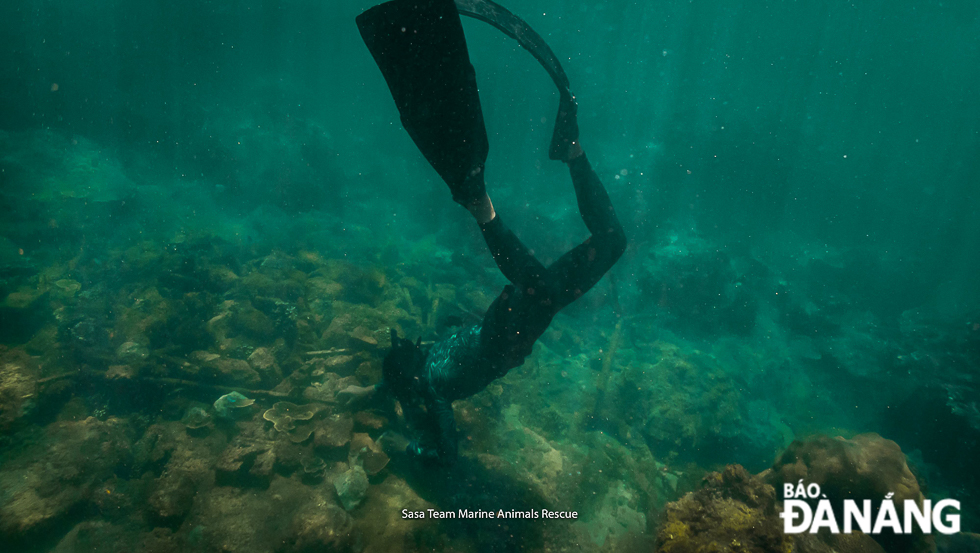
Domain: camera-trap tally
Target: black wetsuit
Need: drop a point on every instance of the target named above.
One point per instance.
(470, 359)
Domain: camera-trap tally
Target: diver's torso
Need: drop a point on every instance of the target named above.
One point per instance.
(457, 367)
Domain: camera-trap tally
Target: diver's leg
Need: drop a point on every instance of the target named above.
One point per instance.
(581, 268)
(513, 258)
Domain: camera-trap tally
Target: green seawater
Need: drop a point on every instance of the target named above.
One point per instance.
(201, 198)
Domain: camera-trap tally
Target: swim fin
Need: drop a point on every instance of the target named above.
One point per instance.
(566, 122)
(421, 50)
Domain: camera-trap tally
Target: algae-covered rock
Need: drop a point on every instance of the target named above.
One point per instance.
(61, 471)
(233, 406)
(384, 529)
(283, 517)
(252, 323)
(866, 466)
(320, 526)
(189, 469)
(251, 451)
(18, 387)
(351, 487)
(618, 517)
(735, 512)
(333, 431)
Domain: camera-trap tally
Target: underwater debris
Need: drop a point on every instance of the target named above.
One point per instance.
(351, 487)
(232, 406)
(367, 453)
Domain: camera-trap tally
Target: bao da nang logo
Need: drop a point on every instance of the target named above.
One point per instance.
(870, 517)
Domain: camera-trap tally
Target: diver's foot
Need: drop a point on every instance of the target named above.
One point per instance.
(565, 135)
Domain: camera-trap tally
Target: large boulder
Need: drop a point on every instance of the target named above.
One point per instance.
(866, 466)
(735, 511)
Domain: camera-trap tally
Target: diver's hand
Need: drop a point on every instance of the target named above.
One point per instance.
(393, 442)
(352, 395)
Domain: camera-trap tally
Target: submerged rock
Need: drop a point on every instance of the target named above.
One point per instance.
(380, 521)
(251, 450)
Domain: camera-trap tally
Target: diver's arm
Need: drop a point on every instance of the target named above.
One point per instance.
(444, 450)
